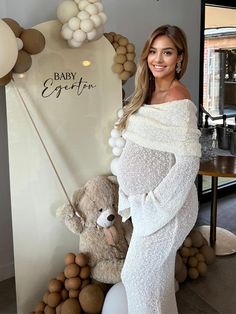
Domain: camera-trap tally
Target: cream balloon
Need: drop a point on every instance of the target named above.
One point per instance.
(79, 35)
(97, 20)
(87, 25)
(8, 50)
(92, 35)
(91, 9)
(66, 10)
(99, 6)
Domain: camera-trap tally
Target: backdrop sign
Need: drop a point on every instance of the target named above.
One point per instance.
(73, 97)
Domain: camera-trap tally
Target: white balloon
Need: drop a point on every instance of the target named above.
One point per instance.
(86, 25)
(74, 43)
(82, 4)
(103, 16)
(79, 35)
(117, 151)
(74, 23)
(66, 33)
(120, 142)
(77, 1)
(83, 15)
(99, 6)
(92, 35)
(8, 49)
(19, 43)
(66, 10)
(97, 20)
(115, 133)
(112, 141)
(64, 26)
(120, 113)
(91, 9)
(92, 1)
(116, 300)
(113, 167)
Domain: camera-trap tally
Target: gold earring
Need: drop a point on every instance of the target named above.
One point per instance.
(178, 67)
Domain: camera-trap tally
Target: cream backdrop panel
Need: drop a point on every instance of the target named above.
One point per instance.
(74, 108)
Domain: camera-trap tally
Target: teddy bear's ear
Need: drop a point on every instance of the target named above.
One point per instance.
(113, 179)
(77, 196)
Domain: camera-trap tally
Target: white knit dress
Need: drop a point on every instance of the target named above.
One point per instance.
(157, 190)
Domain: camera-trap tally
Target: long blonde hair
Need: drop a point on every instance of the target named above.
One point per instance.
(144, 80)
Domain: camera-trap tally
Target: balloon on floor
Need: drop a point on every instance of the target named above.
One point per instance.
(116, 300)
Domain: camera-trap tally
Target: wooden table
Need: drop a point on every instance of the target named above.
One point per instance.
(219, 166)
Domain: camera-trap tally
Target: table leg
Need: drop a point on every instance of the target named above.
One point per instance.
(199, 187)
(222, 240)
(213, 220)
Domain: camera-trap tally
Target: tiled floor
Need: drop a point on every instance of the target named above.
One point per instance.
(213, 294)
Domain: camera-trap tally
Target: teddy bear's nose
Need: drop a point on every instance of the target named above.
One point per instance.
(110, 217)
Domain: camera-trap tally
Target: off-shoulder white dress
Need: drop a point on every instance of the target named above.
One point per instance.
(157, 190)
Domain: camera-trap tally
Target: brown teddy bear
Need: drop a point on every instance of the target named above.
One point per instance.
(103, 236)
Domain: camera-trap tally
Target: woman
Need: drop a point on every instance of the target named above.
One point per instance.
(156, 172)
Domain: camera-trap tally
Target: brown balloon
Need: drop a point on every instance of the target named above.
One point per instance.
(15, 27)
(23, 62)
(6, 79)
(33, 40)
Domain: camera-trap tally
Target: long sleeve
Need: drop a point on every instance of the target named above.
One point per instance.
(151, 211)
(123, 206)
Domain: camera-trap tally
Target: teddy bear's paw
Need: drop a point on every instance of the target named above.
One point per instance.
(65, 211)
(108, 271)
(75, 224)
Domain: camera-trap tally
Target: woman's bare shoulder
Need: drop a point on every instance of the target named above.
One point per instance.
(178, 92)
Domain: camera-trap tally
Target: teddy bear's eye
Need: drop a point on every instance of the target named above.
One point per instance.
(100, 209)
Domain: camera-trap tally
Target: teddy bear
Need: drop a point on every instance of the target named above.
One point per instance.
(103, 237)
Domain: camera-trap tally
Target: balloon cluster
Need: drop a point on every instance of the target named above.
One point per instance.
(29, 42)
(117, 142)
(124, 64)
(82, 21)
(193, 257)
(72, 290)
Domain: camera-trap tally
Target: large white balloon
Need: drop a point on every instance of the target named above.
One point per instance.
(116, 300)
(8, 49)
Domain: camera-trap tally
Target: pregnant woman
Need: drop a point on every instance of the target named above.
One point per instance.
(157, 170)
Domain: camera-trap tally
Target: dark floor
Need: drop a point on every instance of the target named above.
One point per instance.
(7, 296)
(213, 294)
